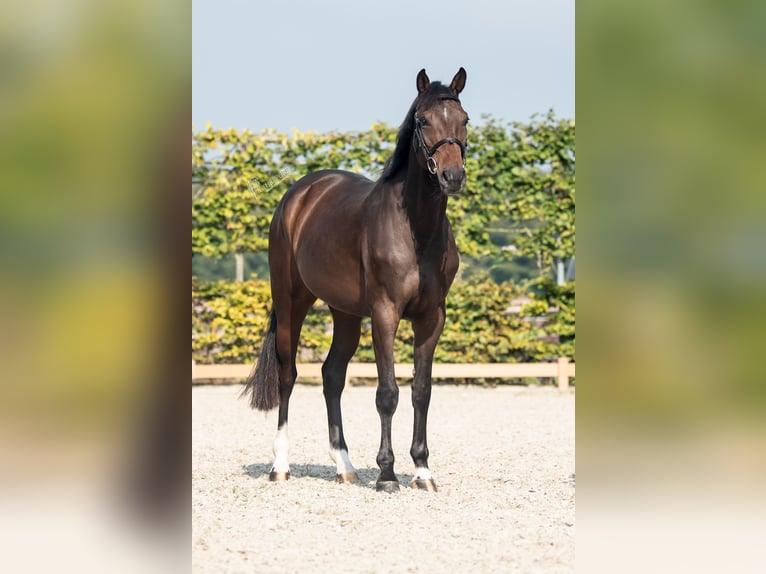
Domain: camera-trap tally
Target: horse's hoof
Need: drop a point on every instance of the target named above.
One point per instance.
(387, 486)
(275, 476)
(347, 478)
(425, 484)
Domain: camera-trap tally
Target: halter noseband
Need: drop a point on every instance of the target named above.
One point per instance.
(431, 164)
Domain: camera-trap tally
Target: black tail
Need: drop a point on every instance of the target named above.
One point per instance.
(263, 382)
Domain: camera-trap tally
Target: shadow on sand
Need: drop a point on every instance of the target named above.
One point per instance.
(367, 476)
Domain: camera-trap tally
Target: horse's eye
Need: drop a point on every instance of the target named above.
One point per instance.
(424, 122)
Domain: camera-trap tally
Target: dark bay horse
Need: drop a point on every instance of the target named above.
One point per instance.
(381, 249)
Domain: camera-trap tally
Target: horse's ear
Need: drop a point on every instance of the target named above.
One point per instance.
(458, 82)
(423, 82)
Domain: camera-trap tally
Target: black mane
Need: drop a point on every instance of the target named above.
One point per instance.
(436, 91)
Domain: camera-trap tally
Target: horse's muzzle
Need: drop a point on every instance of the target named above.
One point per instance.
(452, 180)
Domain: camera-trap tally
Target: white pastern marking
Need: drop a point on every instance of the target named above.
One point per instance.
(281, 450)
(341, 460)
(423, 474)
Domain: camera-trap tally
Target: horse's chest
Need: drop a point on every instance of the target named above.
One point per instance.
(424, 290)
(417, 283)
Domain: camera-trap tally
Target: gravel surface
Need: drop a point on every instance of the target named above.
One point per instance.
(503, 458)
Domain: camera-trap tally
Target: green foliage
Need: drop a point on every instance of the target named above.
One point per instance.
(239, 177)
(483, 324)
(521, 174)
(480, 327)
(524, 174)
(228, 319)
(561, 303)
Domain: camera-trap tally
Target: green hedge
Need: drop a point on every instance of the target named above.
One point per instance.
(520, 173)
(228, 321)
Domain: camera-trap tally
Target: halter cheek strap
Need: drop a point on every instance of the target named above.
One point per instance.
(431, 164)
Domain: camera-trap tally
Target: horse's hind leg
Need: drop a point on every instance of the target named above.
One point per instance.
(290, 312)
(345, 339)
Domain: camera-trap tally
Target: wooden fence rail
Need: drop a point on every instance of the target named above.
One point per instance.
(561, 370)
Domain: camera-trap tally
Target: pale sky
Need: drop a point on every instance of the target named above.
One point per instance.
(343, 65)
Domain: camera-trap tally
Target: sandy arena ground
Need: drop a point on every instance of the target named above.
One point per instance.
(504, 460)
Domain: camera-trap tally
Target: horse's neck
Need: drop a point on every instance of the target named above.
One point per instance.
(426, 208)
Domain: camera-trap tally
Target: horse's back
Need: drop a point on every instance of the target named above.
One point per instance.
(326, 194)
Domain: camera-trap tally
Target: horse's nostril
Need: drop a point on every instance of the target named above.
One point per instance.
(450, 176)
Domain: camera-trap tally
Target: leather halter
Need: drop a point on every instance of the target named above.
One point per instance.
(431, 164)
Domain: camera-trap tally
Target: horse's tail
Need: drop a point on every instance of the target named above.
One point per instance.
(263, 382)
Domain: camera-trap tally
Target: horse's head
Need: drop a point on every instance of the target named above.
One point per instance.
(440, 131)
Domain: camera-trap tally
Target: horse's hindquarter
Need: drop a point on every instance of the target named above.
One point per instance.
(323, 220)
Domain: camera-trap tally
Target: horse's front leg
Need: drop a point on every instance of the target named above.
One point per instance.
(427, 330)
(385, 321)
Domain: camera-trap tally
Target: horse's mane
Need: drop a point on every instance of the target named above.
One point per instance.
(435, 92)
